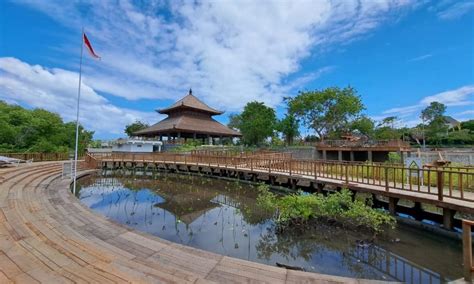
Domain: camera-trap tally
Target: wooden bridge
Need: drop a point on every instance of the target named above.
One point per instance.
(448, 188)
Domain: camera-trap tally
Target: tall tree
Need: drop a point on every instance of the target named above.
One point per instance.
(134, 127)
(434, 116)
(386, 129)
(256, 123)
(436, 131)
(327, 111)
(389, 121)
(363, 125)
(288, 126)
(234, 121)
(432, 112)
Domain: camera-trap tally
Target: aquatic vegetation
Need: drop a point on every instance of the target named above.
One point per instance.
(301, 208)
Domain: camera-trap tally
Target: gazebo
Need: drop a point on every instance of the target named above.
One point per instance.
(188, 118)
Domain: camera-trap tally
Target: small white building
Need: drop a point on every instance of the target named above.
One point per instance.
(136, 145)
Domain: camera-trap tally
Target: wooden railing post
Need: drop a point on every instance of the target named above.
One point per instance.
(467, 249)
(314, 169)
(346, 172)
(440, 185)
(387, 188)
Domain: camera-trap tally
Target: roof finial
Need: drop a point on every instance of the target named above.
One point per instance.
(190, 91)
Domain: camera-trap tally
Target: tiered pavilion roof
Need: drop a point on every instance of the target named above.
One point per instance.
(189, 118)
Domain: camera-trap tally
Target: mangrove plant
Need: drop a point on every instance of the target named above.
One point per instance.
(301, 209)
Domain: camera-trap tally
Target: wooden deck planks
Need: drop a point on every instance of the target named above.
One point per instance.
(47, 236)
(230, 269)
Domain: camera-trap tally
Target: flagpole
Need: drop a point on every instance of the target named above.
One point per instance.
(77, 114)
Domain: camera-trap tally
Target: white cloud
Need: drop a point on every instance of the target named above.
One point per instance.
(229, 52)
(56, 90)
(464, 115)
(403, 110)
(457, 97)
(467, 112)
(420, 58)
(463, 96)
(460, 96)
(448, 10)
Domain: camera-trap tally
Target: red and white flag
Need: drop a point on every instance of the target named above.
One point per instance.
(89, 46)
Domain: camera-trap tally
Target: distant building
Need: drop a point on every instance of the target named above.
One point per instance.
(451, 122)
(105, 144)
(188, 118)
(136, 145)
(360, 148)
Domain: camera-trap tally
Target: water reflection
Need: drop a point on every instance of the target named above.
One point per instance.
(221, 216)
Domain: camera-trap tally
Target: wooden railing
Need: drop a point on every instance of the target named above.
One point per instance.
(456, 183)
(467, 249)
(38, 157)
(219, 152)
(432, 167)
(236, 153)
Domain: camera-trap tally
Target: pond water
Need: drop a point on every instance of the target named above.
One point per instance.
(221, 216)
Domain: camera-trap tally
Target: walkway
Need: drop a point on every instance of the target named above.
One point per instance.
(47, 236)
(455, 191)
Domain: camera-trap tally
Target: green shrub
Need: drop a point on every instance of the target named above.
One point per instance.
(190, 145)
(394, 158)
(266, 199)
(37, 130)
(301, 208)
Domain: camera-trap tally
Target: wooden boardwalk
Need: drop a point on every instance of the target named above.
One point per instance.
(48, 236)
(377, 179)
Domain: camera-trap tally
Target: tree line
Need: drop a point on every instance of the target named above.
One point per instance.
(334, 112)
(38, 130)
(330, 113)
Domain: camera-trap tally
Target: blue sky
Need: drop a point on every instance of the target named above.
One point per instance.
(399, 54)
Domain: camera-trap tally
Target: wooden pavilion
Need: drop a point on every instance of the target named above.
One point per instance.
(188, 118)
